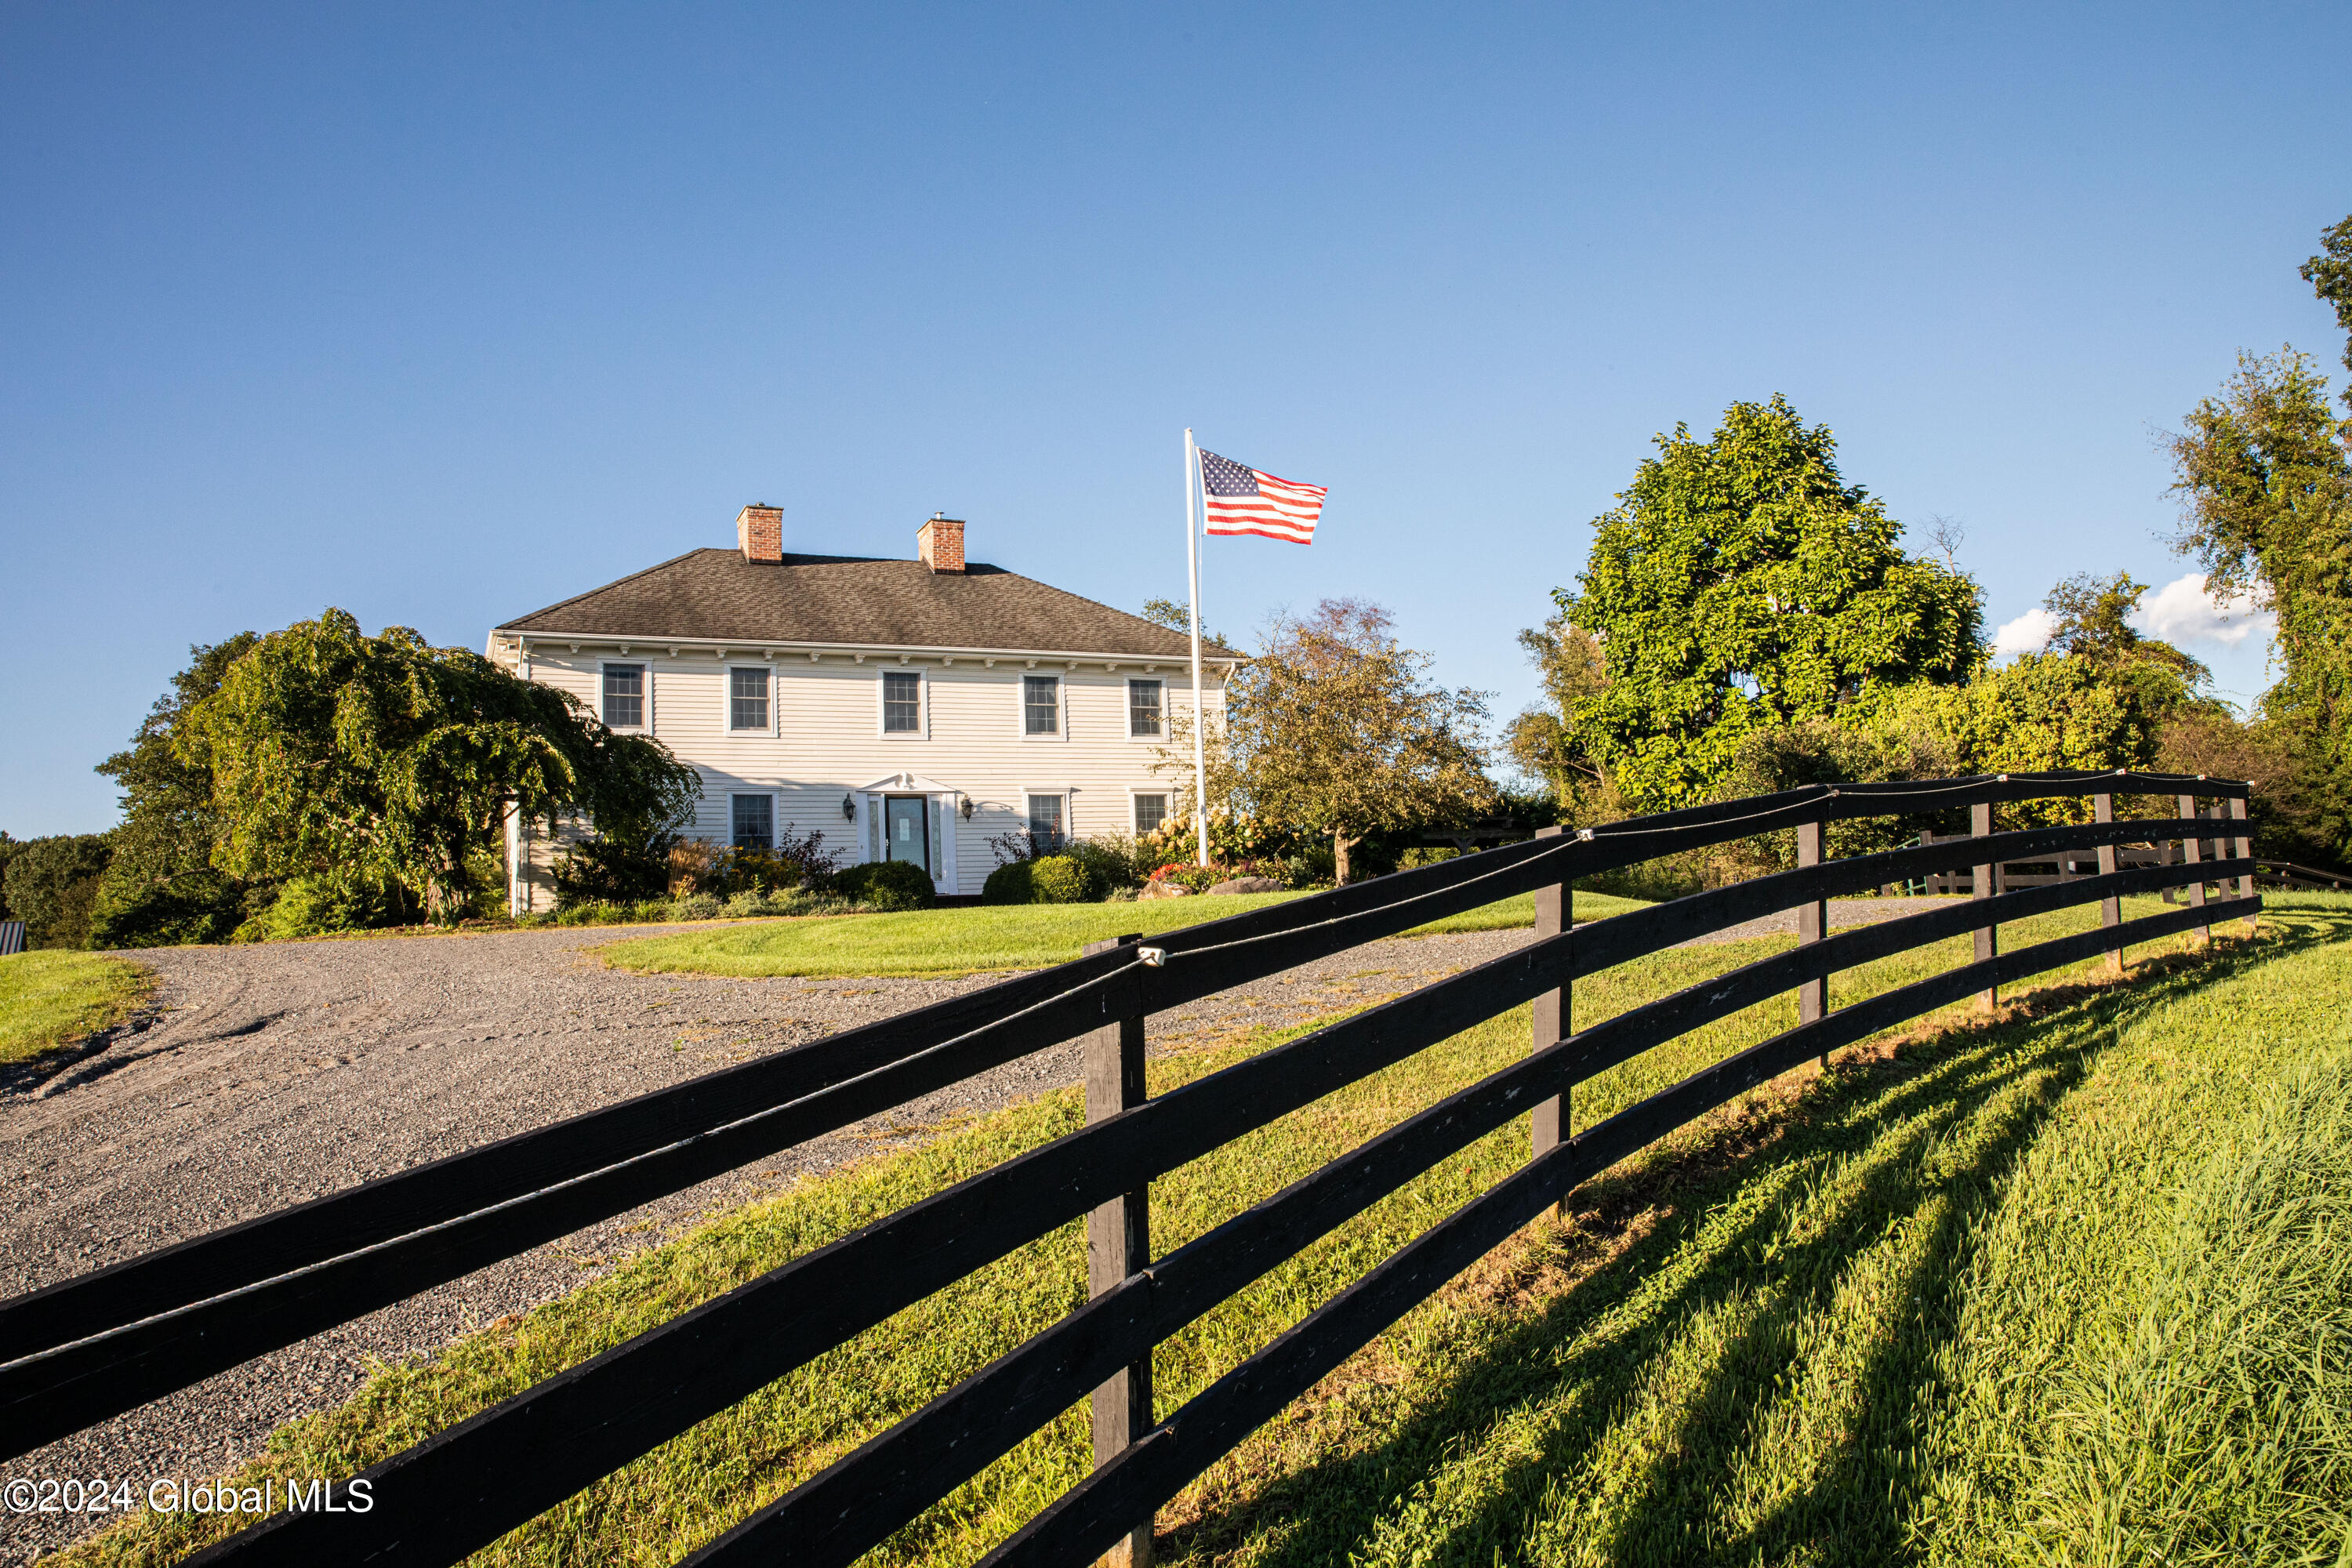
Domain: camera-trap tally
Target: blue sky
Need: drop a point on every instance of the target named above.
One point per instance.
(443, 314)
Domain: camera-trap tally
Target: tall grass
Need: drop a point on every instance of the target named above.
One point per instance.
(2204, 1414)
(2219, 1430)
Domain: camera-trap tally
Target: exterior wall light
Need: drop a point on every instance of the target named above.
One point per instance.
(966, 808)
(848, 808)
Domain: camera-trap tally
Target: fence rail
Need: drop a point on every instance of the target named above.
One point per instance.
(2310, 878)
(93, 1346)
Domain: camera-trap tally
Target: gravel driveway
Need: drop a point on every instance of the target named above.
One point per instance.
(272, 1074)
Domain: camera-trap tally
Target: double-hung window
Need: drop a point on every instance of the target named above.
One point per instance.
(902, 702)
(1144, 716)
(625, 696)
(1046, 824)
(1041, 705)
(1150, 814)
(754, 822)
(746, 700)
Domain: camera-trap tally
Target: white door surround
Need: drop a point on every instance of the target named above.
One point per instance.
(944, 800)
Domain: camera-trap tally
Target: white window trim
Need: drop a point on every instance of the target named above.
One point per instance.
(922, 730)
(1067, 795)
(1162, 791)
(1127, 710)
(775, 814)
(1061, 707)
(645, 669)
(727, 703)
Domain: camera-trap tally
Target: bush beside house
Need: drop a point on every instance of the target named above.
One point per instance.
(885, 885)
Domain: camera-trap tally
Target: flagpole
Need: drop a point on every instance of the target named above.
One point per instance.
(1199, 716)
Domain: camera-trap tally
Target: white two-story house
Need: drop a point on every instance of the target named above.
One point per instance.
(909, 709)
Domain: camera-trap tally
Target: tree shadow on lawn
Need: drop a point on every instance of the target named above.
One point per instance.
(1853, 1507)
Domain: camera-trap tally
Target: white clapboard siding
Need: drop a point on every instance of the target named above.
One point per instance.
(825, 743)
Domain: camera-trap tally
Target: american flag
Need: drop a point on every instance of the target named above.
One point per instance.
(1244, 501)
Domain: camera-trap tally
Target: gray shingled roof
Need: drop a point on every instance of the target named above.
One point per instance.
(715, 595)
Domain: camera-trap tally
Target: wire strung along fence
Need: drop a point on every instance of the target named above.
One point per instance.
(97, 1346)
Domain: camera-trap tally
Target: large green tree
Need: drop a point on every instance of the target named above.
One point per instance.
(161, 886)
(51, 884)
(1335, 730)
(1741, 584)
(2329, 273)
(2266, 502)
(334, 755)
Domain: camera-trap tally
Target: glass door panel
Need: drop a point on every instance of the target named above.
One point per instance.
(906, 821)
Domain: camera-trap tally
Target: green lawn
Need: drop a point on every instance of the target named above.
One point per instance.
(1521, 912)
(50, 999)
(2068, 1286)
(961, 941)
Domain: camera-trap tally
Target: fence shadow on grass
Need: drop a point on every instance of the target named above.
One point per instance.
(2045, 1045)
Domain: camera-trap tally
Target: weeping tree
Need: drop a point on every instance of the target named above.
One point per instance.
(337, 755)
(161, 887)
(1335, 730)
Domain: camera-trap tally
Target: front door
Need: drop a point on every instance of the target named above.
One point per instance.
(906, 822)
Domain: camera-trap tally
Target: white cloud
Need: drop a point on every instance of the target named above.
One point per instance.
(2181, 612)
(2029, 633)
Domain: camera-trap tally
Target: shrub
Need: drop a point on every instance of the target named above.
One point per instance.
(798, 860)
(324, 906)
(1231, 838)
(1008, 884)
(1113, 861)
(691, 864)
(1311, 865)
(885, 885)
(1057, 879)
(744, 906)
(695, 907)
(614, 869)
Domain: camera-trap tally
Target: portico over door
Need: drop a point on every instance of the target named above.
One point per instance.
(907, 816)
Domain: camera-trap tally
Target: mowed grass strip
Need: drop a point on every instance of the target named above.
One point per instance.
(1519, 914)
(49, 999)
(1740, 1347)
(993, 937)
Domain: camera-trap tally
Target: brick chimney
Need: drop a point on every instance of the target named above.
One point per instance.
(939, 543)
(760, 531)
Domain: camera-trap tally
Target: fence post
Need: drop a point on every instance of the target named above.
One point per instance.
(2111, 909)
(1980, 887)
(1555, 910)
(2244, 845)
(2194, 848)
(1118, 1245)
(1813, 923)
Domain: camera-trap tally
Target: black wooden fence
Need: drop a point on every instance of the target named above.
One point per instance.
(95, 1346)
